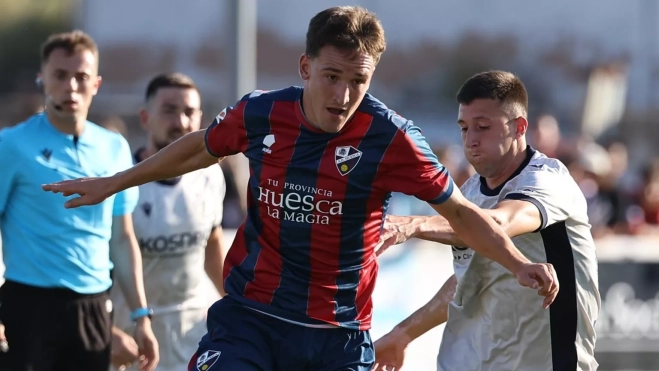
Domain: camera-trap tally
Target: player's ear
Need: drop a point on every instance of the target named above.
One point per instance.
(144, 117)
(97, 84)
(305, 67)
(521, 126)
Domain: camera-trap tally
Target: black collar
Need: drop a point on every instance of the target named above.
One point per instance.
(495, 192)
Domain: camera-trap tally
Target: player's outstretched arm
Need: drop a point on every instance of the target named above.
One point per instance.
(398, 229)
(480, 232)
(183, 156)
(390, 349)
(516, 217)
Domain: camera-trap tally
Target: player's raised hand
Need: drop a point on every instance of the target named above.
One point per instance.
(390, 351)
(394, 231)
(91, 190)
(542, 276)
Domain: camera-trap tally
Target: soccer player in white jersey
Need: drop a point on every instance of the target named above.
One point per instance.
(178, 229)
(492, 324)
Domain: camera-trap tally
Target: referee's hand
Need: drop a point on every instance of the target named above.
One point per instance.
(540, 276)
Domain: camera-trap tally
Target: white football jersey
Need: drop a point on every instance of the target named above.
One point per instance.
(494, 323)
(172, 222)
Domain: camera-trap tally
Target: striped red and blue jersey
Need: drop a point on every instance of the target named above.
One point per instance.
(316, 203)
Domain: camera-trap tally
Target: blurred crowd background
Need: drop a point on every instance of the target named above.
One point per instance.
(591, 68)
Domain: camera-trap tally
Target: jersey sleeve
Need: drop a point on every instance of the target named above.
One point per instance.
(548, 191)
(8, 170)
(413, 169)
(126, 200)
(227, 135)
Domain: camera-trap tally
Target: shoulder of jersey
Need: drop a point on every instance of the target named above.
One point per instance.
(105, 138)
(30, 124)
(101, 131)
(540, 162)
(472, 181)
(11, 133)
(289, 94)
(381, 113)
(23, 134)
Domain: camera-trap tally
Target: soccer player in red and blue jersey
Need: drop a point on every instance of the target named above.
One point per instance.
(324, 160)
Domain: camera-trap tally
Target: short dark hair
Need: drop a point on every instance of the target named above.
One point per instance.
(71, 42)
(503, 86)
(169, 80)
(351, 28)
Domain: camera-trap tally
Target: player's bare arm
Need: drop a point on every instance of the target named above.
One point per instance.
(183, 156)
(127, 260)
(398, 229)
(515, 217)
(390, 349)
(480, 232)
(214, 259)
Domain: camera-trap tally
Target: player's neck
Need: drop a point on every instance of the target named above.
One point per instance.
(306, 107)
(75, 127)
(509, 167)
(307, 112)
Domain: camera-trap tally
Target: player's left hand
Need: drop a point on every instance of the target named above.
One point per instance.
(148, 345)
(394, 231)
(91, 191)
(540, 276)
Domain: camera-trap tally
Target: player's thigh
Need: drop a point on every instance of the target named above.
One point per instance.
(32, 329)
(237, 340)
(346, 350)
(93, 335)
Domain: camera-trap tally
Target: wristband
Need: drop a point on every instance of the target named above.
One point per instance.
(141, 312)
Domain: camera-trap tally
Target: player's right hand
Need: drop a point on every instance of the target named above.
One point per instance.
(394, 232)
(542, 276)
(125, 351)
(390, 351)
(92, 191)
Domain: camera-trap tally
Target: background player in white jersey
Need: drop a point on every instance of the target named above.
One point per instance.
(492, 323)
(178, 229)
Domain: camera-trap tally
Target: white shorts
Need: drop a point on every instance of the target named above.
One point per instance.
(178, 336)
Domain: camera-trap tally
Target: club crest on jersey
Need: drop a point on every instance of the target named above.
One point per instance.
(346, 158)
(221, 115)
(207, 359)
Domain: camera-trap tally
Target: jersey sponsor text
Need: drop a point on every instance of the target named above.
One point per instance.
(300, 203)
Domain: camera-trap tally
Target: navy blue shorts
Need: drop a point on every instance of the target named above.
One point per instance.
(241, 339)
